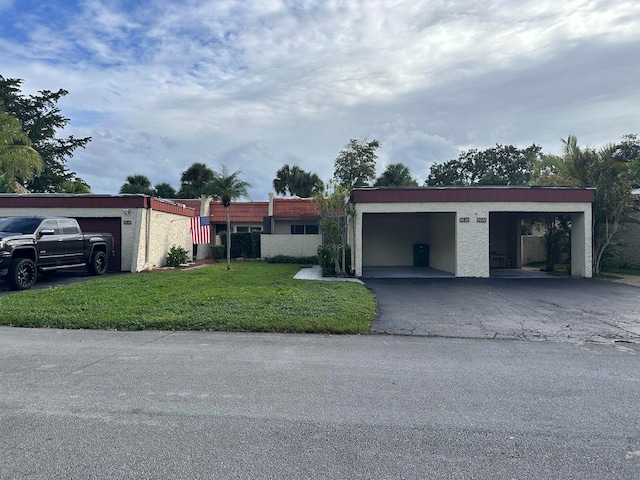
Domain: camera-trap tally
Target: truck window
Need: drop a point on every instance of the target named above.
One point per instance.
(51, 225)
(19, 224)
(69, 227)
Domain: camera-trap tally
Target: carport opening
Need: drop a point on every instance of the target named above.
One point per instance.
(408, 245)
(532, 241)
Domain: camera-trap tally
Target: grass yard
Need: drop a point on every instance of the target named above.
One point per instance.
(252, 296)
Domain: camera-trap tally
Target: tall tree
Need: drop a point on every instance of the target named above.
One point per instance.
(195, 180)
(335, 214)
(41, 118)
(355, 165)
(396, 175)
(137, 184)
(18, 160)
(226, 188)
(499, 165)
(164, 190)
(296, 182)
(610, 177)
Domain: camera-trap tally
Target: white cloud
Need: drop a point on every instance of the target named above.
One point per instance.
(257, 84)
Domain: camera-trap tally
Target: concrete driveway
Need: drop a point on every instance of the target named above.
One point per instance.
(556, 309)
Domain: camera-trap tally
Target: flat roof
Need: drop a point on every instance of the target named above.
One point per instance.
(472, 194)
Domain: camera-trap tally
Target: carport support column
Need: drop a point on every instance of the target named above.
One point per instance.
(472, 242)
(357, 244)
(581, 244)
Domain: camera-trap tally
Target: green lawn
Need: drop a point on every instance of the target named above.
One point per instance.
(252, 296)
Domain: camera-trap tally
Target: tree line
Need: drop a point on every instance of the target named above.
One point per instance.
(34, 159)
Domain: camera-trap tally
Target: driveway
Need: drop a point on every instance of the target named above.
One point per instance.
(57, 279)
(556, 309)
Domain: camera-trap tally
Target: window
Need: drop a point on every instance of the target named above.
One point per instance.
(304, 229)
(256, 229)
(50, 225)
(297, 229)
(69, 227)
(242, 229)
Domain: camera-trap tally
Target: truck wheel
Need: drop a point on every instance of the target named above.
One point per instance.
(99, 263)
(22, 274)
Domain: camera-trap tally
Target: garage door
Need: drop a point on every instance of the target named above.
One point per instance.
(106, 225)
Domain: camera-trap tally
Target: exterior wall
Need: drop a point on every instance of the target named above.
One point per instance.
(472, 230)
(291, 245)
(167, 230)
(534, 249)
(440, 238)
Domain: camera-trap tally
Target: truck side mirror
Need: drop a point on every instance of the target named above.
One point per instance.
(47, 231)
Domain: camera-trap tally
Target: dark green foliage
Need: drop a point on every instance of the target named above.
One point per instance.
(195, 180)
(246, 245)
(396, 175)
(177, 256)
(295, 260)
(355, 165)
(499, 165)
(218, 251)
(41, 119)
(297, 182)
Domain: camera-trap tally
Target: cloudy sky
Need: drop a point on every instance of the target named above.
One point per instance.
(255, 84)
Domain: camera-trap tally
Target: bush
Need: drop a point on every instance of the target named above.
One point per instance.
(290, 259)
(218, 252)
(242, 244)
(177, 256)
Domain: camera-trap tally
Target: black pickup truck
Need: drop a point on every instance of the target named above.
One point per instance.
(29, 245)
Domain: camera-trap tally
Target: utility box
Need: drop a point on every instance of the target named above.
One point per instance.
(420, 255)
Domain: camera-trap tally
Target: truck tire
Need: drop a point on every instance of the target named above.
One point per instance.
(22, 274)
(99, 263)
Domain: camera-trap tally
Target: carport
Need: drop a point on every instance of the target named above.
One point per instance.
(459, 231)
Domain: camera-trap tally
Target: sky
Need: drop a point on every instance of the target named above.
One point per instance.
(257, 84)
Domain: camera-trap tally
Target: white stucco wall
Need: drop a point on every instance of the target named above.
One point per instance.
(472, 230)
(272, 245)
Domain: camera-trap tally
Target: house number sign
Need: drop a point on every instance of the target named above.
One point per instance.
(464, 219)
(481, 219)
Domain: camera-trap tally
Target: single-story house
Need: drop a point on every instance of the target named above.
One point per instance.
(464, 231)
(144, 228)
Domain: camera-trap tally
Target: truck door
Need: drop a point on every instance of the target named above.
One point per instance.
(50, 244)
(73, 241)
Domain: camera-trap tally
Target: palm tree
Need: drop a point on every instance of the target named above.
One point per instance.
(137, 184)
(195, 180)
(17, 158)
(396, 175)
(227, 187)
(76, 186)
(297, 182)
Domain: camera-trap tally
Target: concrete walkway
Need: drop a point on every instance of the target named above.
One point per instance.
(315, 273)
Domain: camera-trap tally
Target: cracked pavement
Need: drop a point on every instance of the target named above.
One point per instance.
(547, 309)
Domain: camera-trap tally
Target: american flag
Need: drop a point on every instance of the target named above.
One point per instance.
(200, 230)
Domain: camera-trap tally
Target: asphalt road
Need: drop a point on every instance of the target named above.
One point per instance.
(557, 309)
(97, 404)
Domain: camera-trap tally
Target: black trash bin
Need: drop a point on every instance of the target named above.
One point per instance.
(420, 255)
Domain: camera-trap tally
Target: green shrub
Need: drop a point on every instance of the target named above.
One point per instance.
(245, 244)
(218, 252)
(177, 256)
(290, 259)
